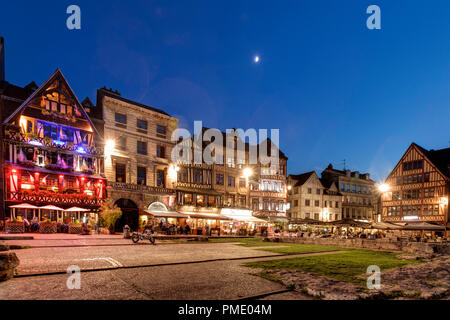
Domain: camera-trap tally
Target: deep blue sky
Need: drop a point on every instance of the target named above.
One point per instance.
(335, 89)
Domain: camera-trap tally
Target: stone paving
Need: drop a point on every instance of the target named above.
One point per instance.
(189, 280)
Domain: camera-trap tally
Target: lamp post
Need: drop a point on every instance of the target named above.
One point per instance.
(247, 173)
(382, 188)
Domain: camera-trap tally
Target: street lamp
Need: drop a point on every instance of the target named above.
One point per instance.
(384, 188)
(247, 173)
(109, 146)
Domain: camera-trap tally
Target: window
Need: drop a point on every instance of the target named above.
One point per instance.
(142, 124)
(122, 143)
(337, 204)
(428, 193)
(255, 204)
(348, 188)
(242, 183)
(29, 126)
(142, 147)
(161, 131)
(342, 187)
(67, 134)
(295, 203)
(160, 152)
(396, 195)
(316, 203)
(412, 165)
(121, 118)
(309, 190)
(142, 176)
(182, 175)
(426, 177)
(316, 216)
(231, 181)
(317, 191)
(325, 203)
(198, 176)
(353, 188)
(120, 173)
(307, 203)
(219, 179)
(54, 106)
(160, 178)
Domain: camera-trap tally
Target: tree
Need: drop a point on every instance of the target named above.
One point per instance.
(109, 214)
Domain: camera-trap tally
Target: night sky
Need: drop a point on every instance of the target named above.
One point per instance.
(335, 89)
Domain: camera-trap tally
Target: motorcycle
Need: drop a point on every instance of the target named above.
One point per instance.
(147, 235)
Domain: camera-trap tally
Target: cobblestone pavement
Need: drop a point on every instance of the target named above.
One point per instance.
(189, 280)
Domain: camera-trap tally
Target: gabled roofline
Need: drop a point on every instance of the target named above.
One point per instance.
(424, 152)
(58, 72)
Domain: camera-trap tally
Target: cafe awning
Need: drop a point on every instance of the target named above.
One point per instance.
(207, 216)
(76, 209)
(385, 226)
(246, 219)
(24, 206)
(166, 214)
(423, 226)
(51, 207)
(350, 223)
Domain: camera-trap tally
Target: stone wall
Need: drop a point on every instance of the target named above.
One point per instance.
(379, 244)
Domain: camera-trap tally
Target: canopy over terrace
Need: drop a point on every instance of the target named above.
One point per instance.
(422, 226)
(166, 214)
(350, 223)
(385, 226)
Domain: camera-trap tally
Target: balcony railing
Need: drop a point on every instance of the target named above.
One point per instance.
(17, 136)
(45, 197)
(120, 186)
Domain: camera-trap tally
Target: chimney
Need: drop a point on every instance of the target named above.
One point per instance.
(2, 59)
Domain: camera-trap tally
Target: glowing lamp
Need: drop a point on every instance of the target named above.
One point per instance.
(109, 146)
(384, 187)
(247, 172)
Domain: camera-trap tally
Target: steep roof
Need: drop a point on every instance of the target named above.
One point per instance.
(440, 158)
(301, 178)
(56, 75)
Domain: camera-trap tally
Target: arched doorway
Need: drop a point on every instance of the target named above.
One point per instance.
(130, 215)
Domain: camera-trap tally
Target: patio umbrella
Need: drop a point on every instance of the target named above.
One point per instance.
(50, 207)
(76, 209)
(23, 206)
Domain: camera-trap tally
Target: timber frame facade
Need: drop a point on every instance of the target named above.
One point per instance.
(418, 187)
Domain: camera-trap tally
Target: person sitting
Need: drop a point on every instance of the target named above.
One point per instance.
(187, 229)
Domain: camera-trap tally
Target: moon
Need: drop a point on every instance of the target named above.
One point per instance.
(256, 59)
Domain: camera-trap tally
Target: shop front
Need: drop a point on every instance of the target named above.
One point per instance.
(242, 222)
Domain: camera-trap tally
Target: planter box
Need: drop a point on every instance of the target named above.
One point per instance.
(75, 228)
(15, 227)
(47, 228)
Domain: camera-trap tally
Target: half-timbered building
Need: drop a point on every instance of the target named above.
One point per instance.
(418, 187)
(50, 159)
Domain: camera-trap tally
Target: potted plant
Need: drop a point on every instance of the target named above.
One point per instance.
(47, 226)
(15, 226)
(109, 214)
